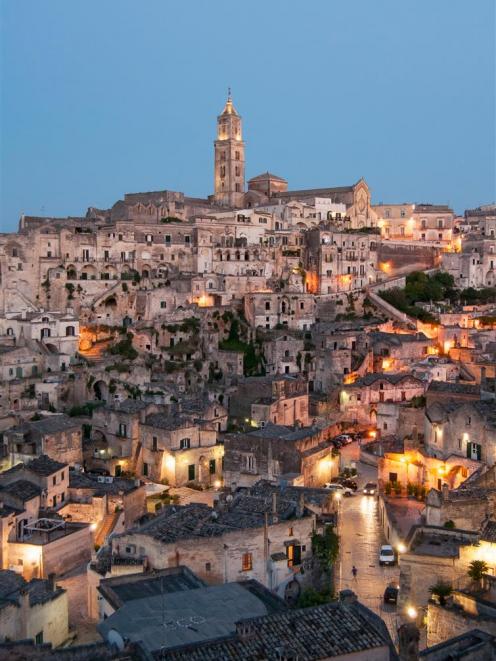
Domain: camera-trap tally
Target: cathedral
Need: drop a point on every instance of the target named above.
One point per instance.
(267, 188)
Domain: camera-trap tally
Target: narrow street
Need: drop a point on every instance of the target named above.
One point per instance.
(361, 539)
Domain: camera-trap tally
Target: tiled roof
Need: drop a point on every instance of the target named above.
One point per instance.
(21, 489)
(44, 465)
(489, 532)
(321, 632)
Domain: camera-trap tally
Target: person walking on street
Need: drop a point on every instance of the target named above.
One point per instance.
(354, 571)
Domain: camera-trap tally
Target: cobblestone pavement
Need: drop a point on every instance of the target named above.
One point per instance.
(361, 539)
(75, 582)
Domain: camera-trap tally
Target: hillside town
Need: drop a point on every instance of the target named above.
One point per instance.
(259, 425)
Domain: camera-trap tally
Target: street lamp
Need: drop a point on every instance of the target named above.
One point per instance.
(401, 548)
(411, 612)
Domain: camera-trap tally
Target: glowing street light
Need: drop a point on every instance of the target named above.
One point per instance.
(401, 548)
(411, 612)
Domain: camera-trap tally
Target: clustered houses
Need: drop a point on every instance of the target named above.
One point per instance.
(474, 264)
(229, 542)
(424, 223)
(204, 354)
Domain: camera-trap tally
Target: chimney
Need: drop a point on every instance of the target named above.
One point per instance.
(347, 597)
(409, 636)
(51, 582)
(445, 491)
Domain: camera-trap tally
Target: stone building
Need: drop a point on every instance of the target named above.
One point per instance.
(464, 428)
(178, 449)
(339, 261)
(229, 175)
(359, 400)
(271, 310)
(280, 399)
(58, 436)
(229, 543)
(275, 452)
(37, 609)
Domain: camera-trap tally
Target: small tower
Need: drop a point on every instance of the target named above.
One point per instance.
(229, 184)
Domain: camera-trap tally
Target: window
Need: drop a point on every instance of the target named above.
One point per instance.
(238, 188)
(250, 463)
(208, 566)
(70, 331)
(247, 562)
(211, 466)
(293, 553)
(145, 468)
(122, 429)
(154, 443)
(55, 501)
(163, 304)
(38, 639)
(402, 213)
(10, 331)
(236, 155)
(54, 480)
(191, 472)
(187, 239)
(14, 252)
(267, 305)
(62, 497)
(468, 421)
(290, 532)
(167, 239)
(62, 476)
(184, 444)
(45, 332)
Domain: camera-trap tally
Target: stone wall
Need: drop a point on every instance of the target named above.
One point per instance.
(444, 623)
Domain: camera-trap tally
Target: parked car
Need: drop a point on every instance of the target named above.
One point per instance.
(339, 488)
(344, 439)
(387, 555)
(337, 443)
(347, 482)
(391, 594)
(370, 489)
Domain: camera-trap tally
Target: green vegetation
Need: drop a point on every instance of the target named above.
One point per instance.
(325, 547)
(70, 290)
(418, 402)
(118, 367)
(125, 348)
(85, 410)
(310, 597)
(471, 296)
(442, 591)
(477, 569)
(449, 525)
(170, 219)
(424, 288)
(252, 360)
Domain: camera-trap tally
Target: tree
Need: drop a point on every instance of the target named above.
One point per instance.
(477, 569)
(442, 591)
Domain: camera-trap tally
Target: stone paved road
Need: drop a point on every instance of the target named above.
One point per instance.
(361, 539)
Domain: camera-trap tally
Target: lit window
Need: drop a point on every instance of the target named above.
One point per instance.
(247, 562)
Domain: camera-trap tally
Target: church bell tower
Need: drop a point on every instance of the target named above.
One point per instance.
(229, 158)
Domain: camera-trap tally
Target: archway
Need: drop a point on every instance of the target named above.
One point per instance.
(101, 391)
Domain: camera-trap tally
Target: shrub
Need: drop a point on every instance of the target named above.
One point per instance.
(449, 524)
(442, 591)
(477, 569)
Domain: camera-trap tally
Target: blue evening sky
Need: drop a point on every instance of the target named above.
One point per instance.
(103, 97)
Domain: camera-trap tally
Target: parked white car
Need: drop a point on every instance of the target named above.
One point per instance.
(339, 488)
(387, 555)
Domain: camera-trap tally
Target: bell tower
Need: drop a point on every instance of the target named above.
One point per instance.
(229, 184)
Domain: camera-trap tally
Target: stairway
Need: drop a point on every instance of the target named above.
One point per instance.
(106, 527)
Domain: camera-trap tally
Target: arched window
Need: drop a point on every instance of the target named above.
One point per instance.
(70, 331)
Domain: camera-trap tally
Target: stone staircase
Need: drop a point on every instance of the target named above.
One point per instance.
(106, 527)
